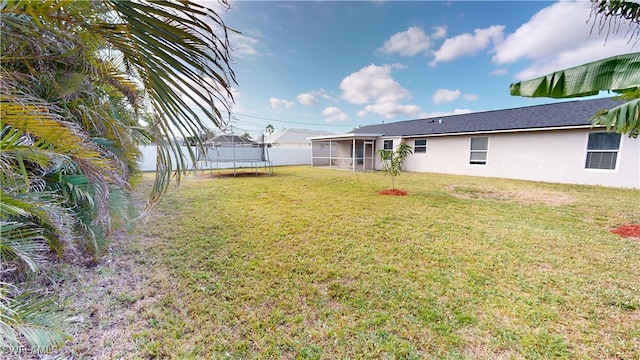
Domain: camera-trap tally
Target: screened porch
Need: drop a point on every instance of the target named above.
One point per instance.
(355, 152)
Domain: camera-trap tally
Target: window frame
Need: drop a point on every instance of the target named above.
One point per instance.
(478, 151)
(420, 149)
(387, 148)
(588, 152)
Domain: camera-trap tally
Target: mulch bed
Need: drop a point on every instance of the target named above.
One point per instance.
(395, 192)
(629, 230)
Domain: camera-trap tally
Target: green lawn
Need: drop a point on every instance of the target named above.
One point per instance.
(313, 264)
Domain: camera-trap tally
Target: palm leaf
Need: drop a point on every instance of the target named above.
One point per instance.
(21, 242)
(66, 138)
(618, 73)
(174, 52)
(624, 118)
(33, 316)
(40, 207)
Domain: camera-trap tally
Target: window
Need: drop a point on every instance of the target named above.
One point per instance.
(387, 146)
(602, 150)
(479, 148)
(420, 146)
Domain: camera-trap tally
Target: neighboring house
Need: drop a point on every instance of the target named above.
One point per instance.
(292, 146)
(293, 138)
(230, 139)
(552, 142)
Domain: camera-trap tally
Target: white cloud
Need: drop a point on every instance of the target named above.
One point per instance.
(586, 53)
(390, 110)
(372, 84)
(408, 43)
(445, 113)
(439, 32)
(470, 97)
(374, 87)
(445, 95)
(548, 32)
(559, 37)
(307, 99)
(323, 94)
(468, 44)
(277, 104)
(242, 45)
(333, 114)
(311, 98)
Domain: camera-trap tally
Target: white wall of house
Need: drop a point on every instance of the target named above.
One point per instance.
(551, 156)
(380, 145)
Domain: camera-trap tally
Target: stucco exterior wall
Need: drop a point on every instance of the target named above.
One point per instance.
(396, 141)
(551, 156)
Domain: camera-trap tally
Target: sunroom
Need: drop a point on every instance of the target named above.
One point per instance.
(354, 152)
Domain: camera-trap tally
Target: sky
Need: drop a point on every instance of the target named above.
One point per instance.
(337, 65)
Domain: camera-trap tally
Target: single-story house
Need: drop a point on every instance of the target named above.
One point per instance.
(293, 138)
(226, 139)
(552, 142)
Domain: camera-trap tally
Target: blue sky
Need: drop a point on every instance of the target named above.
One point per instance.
(338, 65)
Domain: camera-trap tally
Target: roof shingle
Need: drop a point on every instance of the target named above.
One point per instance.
(557, 115)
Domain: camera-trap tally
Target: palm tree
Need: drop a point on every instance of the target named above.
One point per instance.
(82, 85)
(269, 129)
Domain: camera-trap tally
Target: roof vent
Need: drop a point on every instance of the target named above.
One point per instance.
(439, 121)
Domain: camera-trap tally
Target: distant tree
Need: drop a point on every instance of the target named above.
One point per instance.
(392, 161)
(246, 136)
(269, 129)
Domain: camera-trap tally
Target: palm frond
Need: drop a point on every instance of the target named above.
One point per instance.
(21, 242)
(618, 73)
(65, 137)
(624, 118)
(173, 50)
(39, 207)
(34, 317)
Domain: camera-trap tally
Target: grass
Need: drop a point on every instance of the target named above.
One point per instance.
(314, 264)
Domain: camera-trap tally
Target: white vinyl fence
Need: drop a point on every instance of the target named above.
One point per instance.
(279, 156)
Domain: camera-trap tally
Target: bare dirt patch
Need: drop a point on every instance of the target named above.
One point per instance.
(528, 196)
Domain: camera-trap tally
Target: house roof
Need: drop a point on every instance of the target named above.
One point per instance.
(228, 139)
(570, 114)
(294, 136)
(359, 136)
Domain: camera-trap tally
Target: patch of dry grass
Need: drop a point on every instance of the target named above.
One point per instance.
(314, 264)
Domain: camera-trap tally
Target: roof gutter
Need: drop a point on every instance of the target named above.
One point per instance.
(503, 131)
